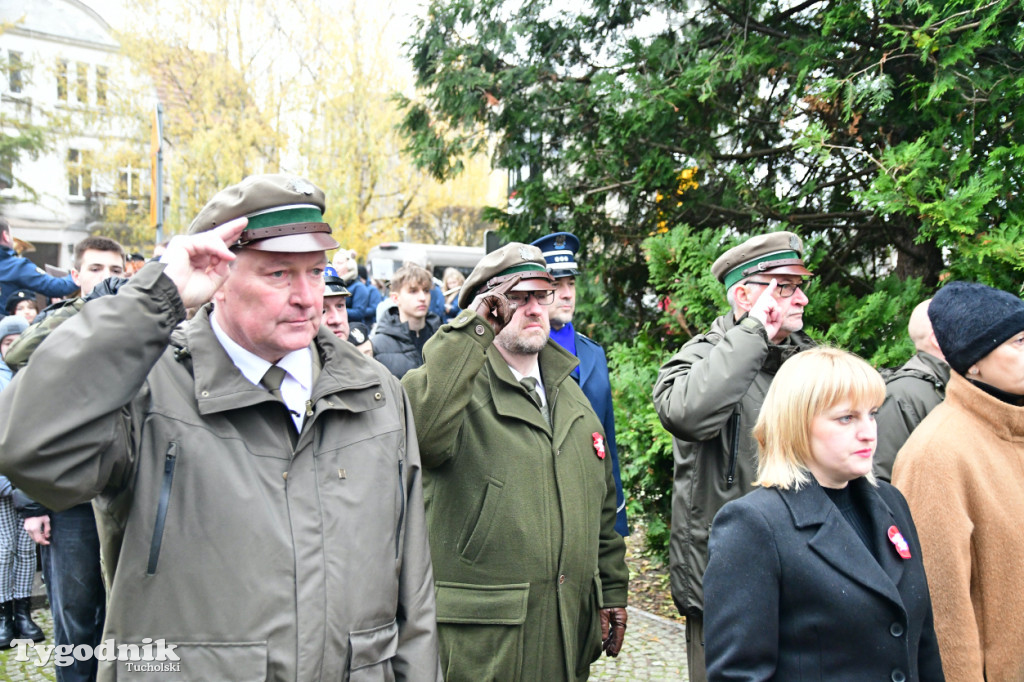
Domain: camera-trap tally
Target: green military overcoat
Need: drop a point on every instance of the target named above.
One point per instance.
(521, 517)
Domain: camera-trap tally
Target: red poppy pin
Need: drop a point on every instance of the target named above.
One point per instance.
(902, 548)
(599, 445)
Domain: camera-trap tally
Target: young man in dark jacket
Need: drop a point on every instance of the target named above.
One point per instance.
(398, 343)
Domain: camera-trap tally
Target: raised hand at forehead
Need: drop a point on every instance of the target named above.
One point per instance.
(493, 305)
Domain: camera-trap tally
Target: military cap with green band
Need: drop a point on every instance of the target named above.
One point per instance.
(285, 214)
(513, 258)
(775, 253)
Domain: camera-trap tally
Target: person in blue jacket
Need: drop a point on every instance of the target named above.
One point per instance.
(560, 251)
(17, 272)
(360, 308)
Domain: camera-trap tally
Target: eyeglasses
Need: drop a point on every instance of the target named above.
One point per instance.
(521, 298)
(785, 290)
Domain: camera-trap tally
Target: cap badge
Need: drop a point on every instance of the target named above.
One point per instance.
(302, 185)
(560, 241)
(794, 243)
(524, 253)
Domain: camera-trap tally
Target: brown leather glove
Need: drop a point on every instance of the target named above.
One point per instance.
(613, 630)
(494, 306)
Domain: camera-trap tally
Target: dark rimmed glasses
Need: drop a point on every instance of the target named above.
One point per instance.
(521, 298)
(785, 290)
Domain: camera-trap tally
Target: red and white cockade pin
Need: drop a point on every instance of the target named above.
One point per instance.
(902, 548)
(599, 445)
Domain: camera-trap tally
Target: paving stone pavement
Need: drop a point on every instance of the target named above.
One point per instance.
(655, 649)
(17, 671)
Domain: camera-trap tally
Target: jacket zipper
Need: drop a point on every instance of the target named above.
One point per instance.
(161, 509)
(734, 444)
(401, 512)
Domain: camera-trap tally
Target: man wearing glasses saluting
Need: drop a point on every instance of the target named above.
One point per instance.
(708, 396)
(529, 573)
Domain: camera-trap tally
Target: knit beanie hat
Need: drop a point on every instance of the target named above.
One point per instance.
(970, 320)
(12, 324)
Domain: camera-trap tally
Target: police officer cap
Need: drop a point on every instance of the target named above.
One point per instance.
(334, 285)
(560, 251)
(776, 253)
(285, 214)
(12, 324)
(17, 297)
(511, 259)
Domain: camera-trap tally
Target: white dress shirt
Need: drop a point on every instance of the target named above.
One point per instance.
(297, 387)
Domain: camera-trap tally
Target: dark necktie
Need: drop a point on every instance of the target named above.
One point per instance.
(272, 381)
(530, 384)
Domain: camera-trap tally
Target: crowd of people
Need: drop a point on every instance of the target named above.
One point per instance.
(282, 471)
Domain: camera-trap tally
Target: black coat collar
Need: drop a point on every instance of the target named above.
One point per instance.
(832, 537)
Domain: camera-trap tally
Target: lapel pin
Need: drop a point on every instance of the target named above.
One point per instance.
(902, 548)
(598, 445)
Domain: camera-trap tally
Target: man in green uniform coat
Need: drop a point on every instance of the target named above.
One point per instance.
(530, 576)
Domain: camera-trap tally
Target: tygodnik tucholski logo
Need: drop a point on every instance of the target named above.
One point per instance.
(148, 656)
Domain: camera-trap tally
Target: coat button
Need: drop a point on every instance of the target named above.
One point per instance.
(896, 629)
(561, 579)
(898, 676)
(479, 330)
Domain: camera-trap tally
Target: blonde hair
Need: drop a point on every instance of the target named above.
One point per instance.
(806, 385)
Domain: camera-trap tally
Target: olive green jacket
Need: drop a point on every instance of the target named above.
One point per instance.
(708, 396)
(911, 392)
(522, 519)
(257, 559)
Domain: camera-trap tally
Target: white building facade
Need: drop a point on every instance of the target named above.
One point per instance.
(62, 68)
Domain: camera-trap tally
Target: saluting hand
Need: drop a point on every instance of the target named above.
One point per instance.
(494, 306)
(766, 310)
(198, 263)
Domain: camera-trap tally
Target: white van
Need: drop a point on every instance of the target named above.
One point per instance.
(384, 259)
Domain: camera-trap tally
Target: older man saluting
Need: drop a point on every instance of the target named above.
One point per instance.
(531, 576)
(257, 480)
(708, 396)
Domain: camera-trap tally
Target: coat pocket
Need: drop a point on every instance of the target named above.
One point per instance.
(371, 652)
(226, 661)
(476, 533)
(481, 630)
(589, 628)
(161, 509)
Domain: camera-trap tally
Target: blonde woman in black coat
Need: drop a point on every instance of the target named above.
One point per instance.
(817, 574)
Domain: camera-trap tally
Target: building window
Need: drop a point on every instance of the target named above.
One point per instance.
(79, 173)
(62, 80)
(101, 85)
(82, 82)
(15, 68)
(128, 184)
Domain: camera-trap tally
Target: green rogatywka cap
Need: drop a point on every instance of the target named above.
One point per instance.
(285, 214)
(779, 253)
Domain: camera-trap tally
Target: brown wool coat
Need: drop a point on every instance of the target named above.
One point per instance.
(962, 472)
